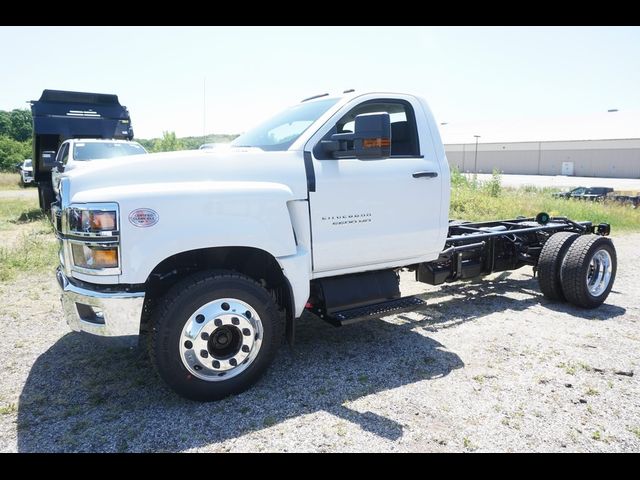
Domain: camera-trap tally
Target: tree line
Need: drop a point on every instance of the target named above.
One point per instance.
(16, 128)
(15, 137)
(169, 142)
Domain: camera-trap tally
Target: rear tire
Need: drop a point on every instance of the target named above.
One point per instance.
(214, 334)
(589, 270)
(45, 196)
(550, 264)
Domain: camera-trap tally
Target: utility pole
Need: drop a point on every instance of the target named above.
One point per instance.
(475, 161)
(204, 110)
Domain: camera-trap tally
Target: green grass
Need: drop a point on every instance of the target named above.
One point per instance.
(468, 444)
(568, 367)
(474, 200)
(14, 211)
(8, 409)
(35, 249)
(9, 181)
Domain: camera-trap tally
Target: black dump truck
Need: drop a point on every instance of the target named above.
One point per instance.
(59, 115)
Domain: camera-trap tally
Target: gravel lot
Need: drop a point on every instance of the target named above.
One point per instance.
(487, 366)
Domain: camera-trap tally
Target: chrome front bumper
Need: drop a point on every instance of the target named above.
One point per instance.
(109, 314)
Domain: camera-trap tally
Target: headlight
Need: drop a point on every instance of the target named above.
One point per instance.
(92, 221)
(95, 257)
(91, 238)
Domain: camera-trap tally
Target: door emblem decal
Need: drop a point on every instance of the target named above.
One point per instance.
(143, 217)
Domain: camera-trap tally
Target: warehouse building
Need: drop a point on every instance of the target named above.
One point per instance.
(615, 158)
(604, 144)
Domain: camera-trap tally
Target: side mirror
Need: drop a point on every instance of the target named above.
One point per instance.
(48, 159)
(371, 139)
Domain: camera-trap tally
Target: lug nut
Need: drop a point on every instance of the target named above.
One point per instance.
(217, 322)
(246, 332)
(216, 364)
(245, 348)
(235, 321)
(204, 336)
(204, 353)
(200, 318)
(233, 362)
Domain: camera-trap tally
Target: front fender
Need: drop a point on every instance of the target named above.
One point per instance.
(194, 215)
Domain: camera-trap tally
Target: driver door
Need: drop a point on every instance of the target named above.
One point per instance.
(376, 212)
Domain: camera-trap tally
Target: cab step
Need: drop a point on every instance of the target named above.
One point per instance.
(375, 310)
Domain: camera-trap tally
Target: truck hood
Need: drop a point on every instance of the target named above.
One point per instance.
(105, 181)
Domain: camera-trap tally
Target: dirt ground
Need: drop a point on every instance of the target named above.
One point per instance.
(486, 366)
(30, 192)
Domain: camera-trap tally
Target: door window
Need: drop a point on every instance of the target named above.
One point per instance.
(404, 133)
(63, 154)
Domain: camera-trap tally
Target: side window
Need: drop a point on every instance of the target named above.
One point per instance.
(63, 154)
(404, 132)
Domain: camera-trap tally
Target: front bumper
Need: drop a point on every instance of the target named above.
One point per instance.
(104, 313)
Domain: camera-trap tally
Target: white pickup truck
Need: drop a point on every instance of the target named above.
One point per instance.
(83, 152)
(212, 255)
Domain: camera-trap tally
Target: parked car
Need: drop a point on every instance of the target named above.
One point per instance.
(629, 198)
(26, 172)
(570, 193)
(585, 193)
(80, 152)
(596, 193)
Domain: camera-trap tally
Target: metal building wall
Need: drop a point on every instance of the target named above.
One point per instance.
(590, 158)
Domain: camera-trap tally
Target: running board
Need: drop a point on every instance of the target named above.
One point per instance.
(376, 310)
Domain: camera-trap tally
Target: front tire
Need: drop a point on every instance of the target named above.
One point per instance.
(589, 270)
(214, 335)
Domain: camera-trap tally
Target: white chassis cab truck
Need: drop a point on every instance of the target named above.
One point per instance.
(212, 255)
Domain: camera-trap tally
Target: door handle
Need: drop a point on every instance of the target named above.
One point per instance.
(425, 174)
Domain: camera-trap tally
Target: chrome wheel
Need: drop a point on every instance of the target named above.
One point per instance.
(599, 272)
(221, 339)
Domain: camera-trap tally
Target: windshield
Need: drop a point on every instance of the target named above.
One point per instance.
(27, 163)
(95, 150)
(280, 131)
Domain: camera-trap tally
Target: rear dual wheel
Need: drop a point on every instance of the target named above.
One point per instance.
(589, 270)
(580, 269)
(550, 263)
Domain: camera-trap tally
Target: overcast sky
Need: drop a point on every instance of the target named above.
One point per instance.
(504, 83)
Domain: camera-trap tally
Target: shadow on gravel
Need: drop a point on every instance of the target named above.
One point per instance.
(85, 395)
(81, 395)
(475, 299)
